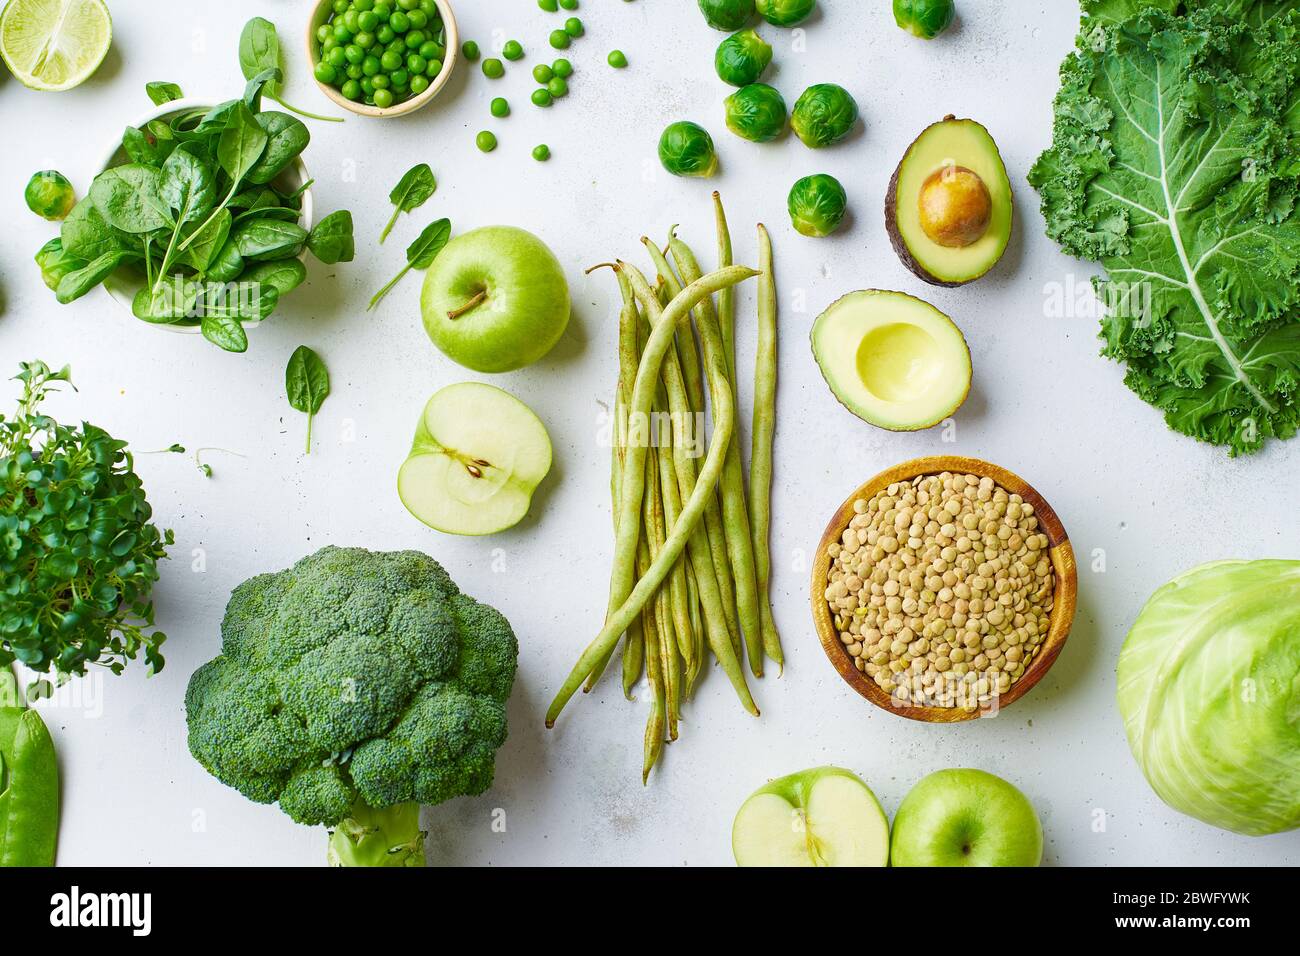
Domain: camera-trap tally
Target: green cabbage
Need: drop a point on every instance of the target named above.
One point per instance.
(1209, 689)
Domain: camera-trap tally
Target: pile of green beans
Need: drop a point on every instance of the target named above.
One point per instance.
(29, 782)
(691, 557)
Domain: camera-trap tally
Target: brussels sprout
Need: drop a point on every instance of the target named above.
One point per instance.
(824, 115)
(686, 149)
(742, 58)
(756, 113)
(924, 18)
(817, 204)
(50, 195)
(55, 263)
(786, 13)
(727, 14)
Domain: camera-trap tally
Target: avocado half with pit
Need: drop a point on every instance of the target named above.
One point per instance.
(949, 208)
(892, 360)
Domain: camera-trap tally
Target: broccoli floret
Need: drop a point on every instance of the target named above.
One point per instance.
(351, 688)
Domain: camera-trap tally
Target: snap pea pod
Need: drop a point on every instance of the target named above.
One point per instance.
(626, 596)
(29, 783)
(735, 512)
(764, 431)
(693, 381)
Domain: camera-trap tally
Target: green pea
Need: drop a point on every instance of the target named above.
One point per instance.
(416, 63)
(353, 53)
(413, 39)
(400, 78)
(559, 39)
(351, 89)
(500, 108)
(326, 73)
(399, 21)
(340, 6)
(381, 82)
(541, 153)
(352, 18)
(562, 68)
(408, 4)
(550, 6)
(354, 71)
(370, 65)
(433, 69)
(493, 69)
(341, 31)
(542, 96)
(573, 27)
(385, 34)
(569, 4)
(418, 85)
(390, 60)
(329, 43)
(368, 21)
(323, 33)
(558, 87)
(617, 59)
(368, 86)
(419, 19)
(430, 50)
(486, 141)
(337, 57)
(384, 99)
(513, 50)
(542, 73)
(384, 8)
(364, 6)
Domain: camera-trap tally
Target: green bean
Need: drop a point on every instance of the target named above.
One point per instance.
(628, 598)
(654, 728)
(716, 616)
(671, 500)
(694, 383)
(653, 516)
(727, 297)
(735, 513)
(764, 429)
(697, 630)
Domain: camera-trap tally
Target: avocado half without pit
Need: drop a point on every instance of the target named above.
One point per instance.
(949, 207)
(893, 360)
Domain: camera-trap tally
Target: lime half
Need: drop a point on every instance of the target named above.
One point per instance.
(54, 44)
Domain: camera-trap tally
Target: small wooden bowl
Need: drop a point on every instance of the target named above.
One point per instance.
(322, 12)
(1064, 600)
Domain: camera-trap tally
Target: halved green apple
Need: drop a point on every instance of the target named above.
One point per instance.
(479, 454)
(820, 817)
(892, 359)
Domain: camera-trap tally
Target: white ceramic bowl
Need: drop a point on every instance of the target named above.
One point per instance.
(123, 284)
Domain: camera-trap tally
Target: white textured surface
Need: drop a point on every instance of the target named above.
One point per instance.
(1044, 405)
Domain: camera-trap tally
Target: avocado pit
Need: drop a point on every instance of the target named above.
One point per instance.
(955, 206)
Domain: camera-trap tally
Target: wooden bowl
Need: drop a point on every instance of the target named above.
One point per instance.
(321, 12)
(1064, 600)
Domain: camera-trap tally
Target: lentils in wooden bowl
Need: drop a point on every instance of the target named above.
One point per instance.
(944, 588)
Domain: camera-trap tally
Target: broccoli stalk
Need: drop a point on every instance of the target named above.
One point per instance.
(370, 837)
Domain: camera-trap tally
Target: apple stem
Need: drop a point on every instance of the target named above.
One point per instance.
(479, 296)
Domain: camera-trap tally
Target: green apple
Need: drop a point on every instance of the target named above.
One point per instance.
(966, 818)
(479, 454)
(820, 817)
(495, 299)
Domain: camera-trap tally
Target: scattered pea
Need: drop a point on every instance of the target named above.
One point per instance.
(513, 50)
(493, 68)
(558, 87)
(500, 107)
(573, 27)
(470, 49)
(541, 153)
(550, 6)
(542, 73)
(486, 141)
(617, 59)
(559, 39)
(569, 4)
(562, 68)
(541, 96)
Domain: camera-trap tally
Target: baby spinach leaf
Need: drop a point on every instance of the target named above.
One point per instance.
(75, 284)
(55, 262)
(419, 254)
(269, 212)
(171, 302)
(261, 240)
(186, 186)
(241, 143)
(257, 84)
(142, 146)
(161, 93)
(411, 192)
(227, 264)
(307, 383)
(223, 330)
(259, 50)
(284, 275)
(207, 241)
(86, 235)
(331, 239)
(127, 198)
(287, 137)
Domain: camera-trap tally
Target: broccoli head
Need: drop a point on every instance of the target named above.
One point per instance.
(351, 688)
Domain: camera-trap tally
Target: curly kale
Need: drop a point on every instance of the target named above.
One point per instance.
(352, 688)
